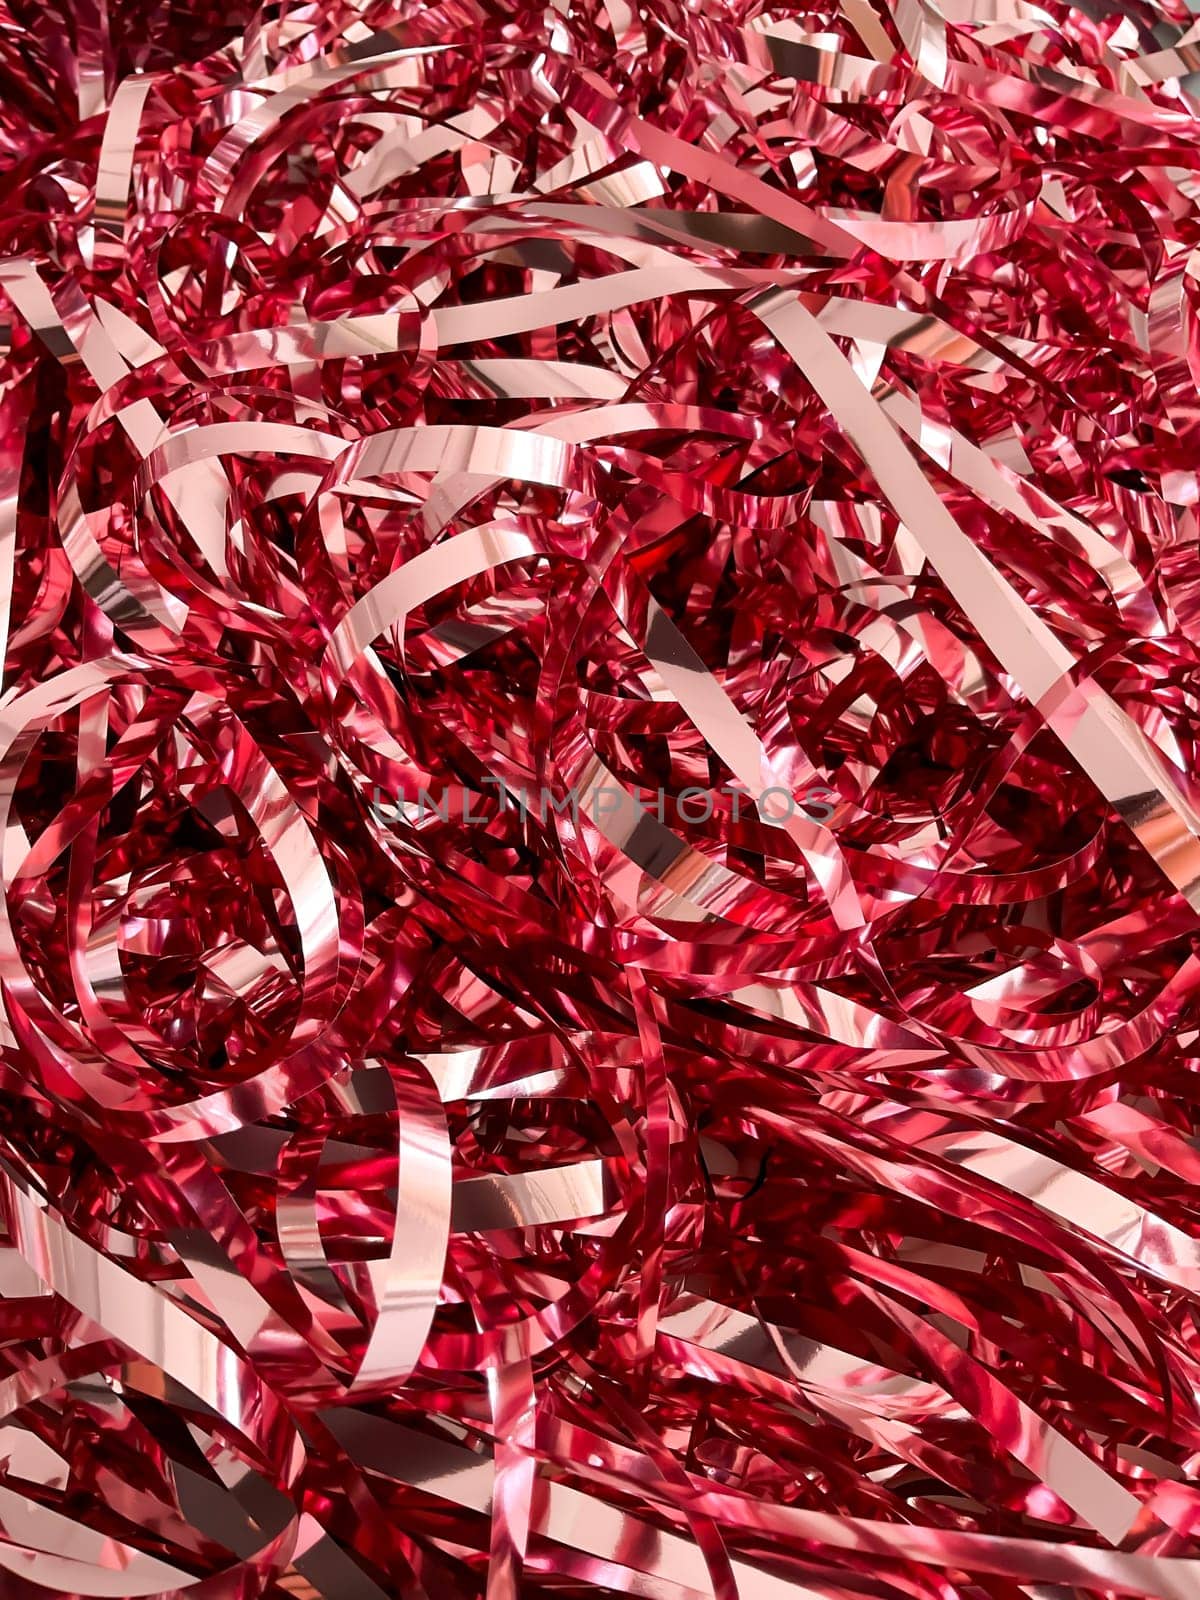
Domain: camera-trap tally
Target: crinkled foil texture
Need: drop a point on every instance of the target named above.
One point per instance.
(420, 422)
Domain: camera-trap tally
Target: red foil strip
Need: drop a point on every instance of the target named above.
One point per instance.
(601, 857)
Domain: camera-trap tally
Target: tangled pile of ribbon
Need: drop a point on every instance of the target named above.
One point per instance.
(414, 418)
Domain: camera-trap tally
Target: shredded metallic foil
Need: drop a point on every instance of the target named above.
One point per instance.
(600, 946)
